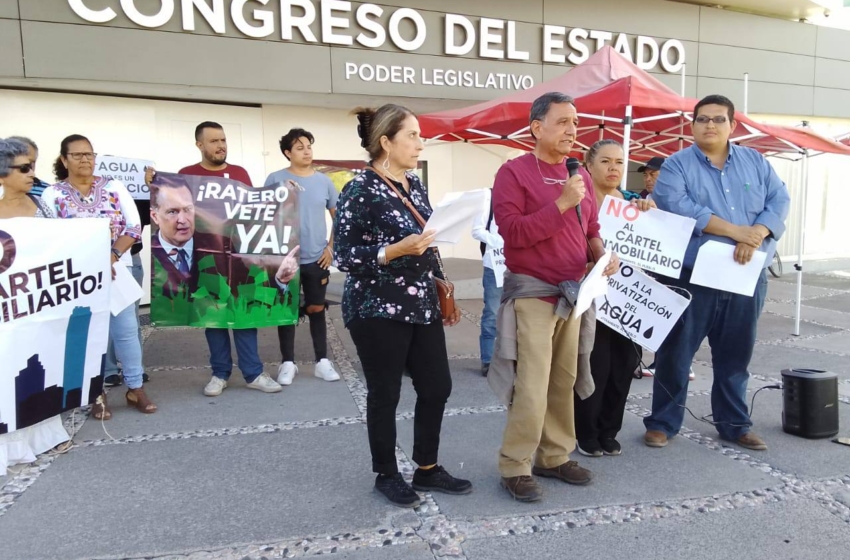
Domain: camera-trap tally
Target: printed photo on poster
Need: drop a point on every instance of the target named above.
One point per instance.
(219, 249)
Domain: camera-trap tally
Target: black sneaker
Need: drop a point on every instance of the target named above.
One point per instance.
(397, 490)
(485, 369)
(145, 378)
(611, 446)
(589, 448)
(113, 380)
(438, 479)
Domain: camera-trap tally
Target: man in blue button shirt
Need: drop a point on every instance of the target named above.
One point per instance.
(735, 197)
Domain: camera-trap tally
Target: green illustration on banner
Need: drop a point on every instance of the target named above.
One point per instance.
(218, 253)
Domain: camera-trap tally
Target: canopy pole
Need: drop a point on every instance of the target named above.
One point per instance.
(627, 140)
(746, 92)
(684, 66)
(801, 223)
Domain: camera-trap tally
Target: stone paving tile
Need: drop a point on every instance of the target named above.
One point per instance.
(469, 449)
(829, 281)
(183, 406)
(783, 291)
(773, 328)
(804, 458)
(808, 313)
(771, 360)
(776, 530)
(198, 494)
(838, 343)
(836, 303)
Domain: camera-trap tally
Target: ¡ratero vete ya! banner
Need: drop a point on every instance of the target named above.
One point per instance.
(216, 246)
(54, 316)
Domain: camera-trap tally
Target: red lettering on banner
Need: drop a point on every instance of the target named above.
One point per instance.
(615, 207)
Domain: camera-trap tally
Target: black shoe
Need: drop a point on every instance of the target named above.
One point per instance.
(113, 380)
(611, 446)
(436, 478)
(145, 378)
(589, 448)
(397, 490)
(485, 369)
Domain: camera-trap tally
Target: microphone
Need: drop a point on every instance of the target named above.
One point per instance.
(572, 168)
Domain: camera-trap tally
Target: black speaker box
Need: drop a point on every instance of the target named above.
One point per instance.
(810, 403)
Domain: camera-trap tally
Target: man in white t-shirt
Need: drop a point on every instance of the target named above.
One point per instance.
(485, 230)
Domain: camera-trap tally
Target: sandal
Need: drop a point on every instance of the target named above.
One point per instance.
(100, 409)
(140, 401)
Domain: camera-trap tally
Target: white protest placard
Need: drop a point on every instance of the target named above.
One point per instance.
(125, 290)
(639, 307)
(452, 218)
(716, 268)
(497, 257)
(653, 240)
(130, 171)
(594, 285)
(54, 316)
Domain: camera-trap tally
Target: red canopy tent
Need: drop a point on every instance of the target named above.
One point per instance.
(618, 100)
(615, 99)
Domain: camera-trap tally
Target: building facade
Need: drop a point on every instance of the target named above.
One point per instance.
(136, 76)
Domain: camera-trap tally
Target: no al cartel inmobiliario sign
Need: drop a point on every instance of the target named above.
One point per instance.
(653, 240)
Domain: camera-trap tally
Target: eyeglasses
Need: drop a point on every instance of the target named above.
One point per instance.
(549, 180)
(25, 168)
(702, 119)
(78, 156)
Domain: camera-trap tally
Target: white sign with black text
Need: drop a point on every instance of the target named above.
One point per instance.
(497, 257)
(653, 240)
(639, 307)
(129, 171)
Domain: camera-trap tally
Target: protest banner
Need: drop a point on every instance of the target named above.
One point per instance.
(54, 316)
(639, 307)
(653, 240)
(129, 171)
(216, 247)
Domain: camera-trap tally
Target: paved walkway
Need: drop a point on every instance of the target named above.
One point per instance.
(249, 475)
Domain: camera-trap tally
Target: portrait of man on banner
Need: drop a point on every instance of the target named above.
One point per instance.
(223, 254)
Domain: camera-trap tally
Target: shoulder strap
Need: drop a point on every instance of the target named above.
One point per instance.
(490, 217)
(40, 205)
(404, 199)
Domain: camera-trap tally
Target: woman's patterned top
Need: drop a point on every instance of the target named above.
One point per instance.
(108, 198)
(369, 215)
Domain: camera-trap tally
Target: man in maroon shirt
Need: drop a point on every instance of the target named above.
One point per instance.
(534, 202)
(212, 143)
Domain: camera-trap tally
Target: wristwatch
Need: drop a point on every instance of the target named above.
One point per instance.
(117, 253)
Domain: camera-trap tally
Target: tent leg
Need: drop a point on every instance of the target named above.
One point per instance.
(627, 140)
(804, 191)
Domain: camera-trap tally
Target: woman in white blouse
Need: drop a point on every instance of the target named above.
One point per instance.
(81, 194)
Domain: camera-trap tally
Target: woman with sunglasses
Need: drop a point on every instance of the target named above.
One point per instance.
(81, 194)
(17, 174)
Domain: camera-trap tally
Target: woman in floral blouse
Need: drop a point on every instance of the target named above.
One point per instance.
(81, 194)
(390, 301)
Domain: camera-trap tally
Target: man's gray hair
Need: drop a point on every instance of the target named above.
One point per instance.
(9, 150)
(25, 140)
(540, 107)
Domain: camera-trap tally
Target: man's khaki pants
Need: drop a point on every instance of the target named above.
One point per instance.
(540, 418)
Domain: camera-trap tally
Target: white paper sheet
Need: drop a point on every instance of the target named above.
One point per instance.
(453, 216)
(716, 268)
(593, 286)
(125, 291)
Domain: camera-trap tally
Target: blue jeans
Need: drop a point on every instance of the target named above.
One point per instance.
(124, 334)
(111, 366)
(729, 321)
(492, 299)
(221, 360)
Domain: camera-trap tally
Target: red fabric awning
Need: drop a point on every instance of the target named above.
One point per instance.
(604, 87)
